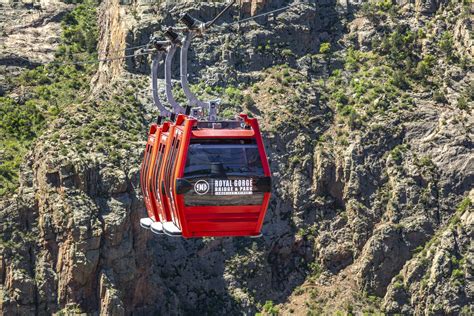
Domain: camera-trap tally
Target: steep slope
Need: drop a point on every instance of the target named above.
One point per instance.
(38, 80)
(367, 115)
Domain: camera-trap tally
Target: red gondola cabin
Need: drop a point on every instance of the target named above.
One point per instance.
(147, 193)
(210, 178)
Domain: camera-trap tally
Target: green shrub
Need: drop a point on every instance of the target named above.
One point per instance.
(324, 48)
(269, 308)
(399, 46)
(398, 285)
(423, 68)
(353, 58)
(374, 10)
(228, 114)
(464, 205)
(340, 97)
(418, 249)
(462, 103)
(80, 32)
(315, 269)
(425, 161)
(345, 110)
(439, 97)
(399, 79)
(457, 274)
(287, 53)
(20, 121)
(384, 5)
(247, 99)
(446, 44)
(235, 95)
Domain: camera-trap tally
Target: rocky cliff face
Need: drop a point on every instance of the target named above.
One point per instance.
(30, 36)
(367, 115)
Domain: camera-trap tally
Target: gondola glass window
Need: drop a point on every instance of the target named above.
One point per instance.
(229, 171)
(220, 160)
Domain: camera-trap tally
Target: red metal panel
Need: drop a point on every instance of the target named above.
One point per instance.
(166, 138)
(221, 209)
(166, 170)
(266, 168)
(182, 156)
(207, 221)
(149, 197)
(143, 182)
(208, 228)
(264, 208)
(174, 152)
(226, 233)
(223, 133)
(160, 213)
(177, 130)
(144, 171)
(261, 147)
(226, 218)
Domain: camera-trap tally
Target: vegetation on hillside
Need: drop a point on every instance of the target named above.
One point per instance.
(380, 82)
(108, 125)
(43, 92)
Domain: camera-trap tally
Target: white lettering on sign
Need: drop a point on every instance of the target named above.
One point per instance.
(201, 187)
(233, 187)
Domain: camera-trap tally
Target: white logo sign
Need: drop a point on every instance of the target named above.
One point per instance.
(201, 187)
(233, 187)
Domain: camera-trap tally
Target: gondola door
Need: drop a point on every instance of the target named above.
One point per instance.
(158, 160)
(174, 153)
(159, 186)
(146, 167)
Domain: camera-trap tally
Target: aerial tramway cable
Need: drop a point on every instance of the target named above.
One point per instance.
(138, 47)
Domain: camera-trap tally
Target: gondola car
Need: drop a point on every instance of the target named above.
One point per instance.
(150, 202)
(214, 179)
(155, 152)
(157, 171)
